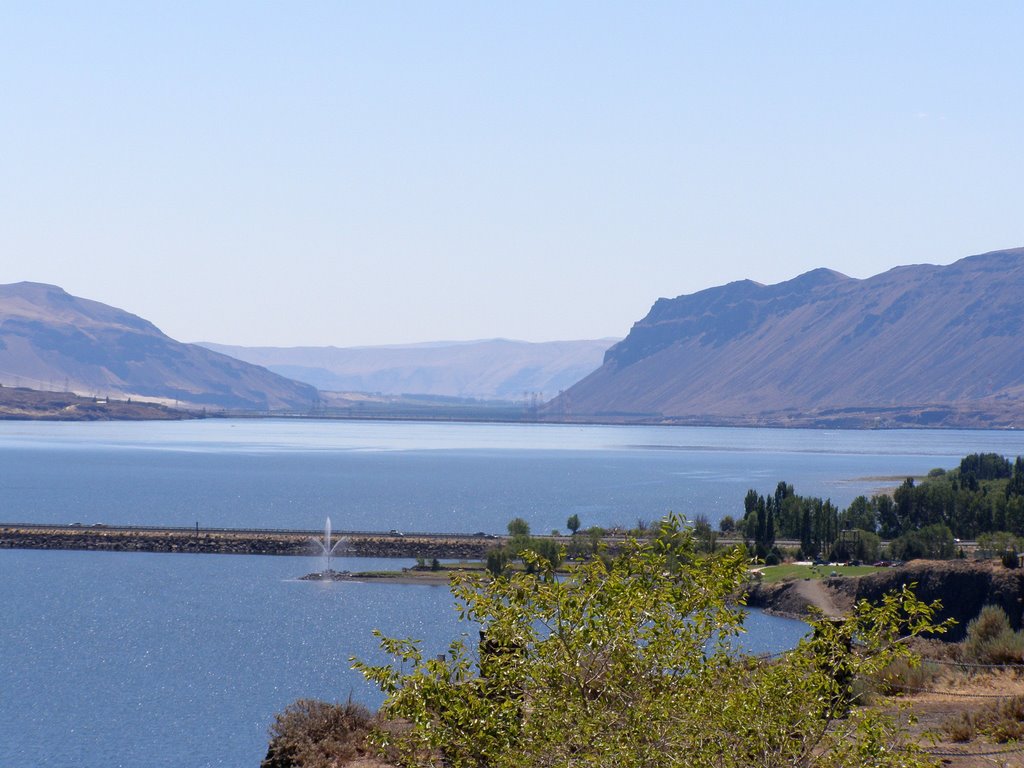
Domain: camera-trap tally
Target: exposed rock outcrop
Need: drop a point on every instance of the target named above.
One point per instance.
(963, 587)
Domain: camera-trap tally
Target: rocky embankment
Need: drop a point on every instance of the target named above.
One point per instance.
(963, 587)
(241, 542)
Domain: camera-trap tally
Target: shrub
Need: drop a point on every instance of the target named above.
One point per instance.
(991, 640)
(497, 560)
(1001, 721)
(316, 734)
(960, 728)
(902, 676)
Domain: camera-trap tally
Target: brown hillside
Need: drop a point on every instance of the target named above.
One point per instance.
(52, 340)
(922, 344)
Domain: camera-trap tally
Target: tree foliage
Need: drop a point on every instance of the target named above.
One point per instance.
(633, 663)
(985, 494)
(517, 526)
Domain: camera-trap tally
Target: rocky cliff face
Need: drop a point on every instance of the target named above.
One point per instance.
(52, 340)
(963, 587)
(938, 343)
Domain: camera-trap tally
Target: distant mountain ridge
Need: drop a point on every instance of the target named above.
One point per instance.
(495, 369)
(50, 339)
(921, 344)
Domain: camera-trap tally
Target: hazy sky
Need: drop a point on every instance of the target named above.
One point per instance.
(296, 173)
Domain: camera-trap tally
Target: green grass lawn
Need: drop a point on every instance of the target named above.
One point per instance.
(773, 573)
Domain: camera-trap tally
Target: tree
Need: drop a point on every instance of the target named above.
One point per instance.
(934, 542)
(573, 523)
(498, 560)
(518, 527)
(633, 663)
(860, 514)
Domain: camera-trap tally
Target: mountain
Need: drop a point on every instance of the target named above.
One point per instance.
(917, 345)
(52, 340)
(496, 369)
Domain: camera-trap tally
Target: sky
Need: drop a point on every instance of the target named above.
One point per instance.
(361, 173)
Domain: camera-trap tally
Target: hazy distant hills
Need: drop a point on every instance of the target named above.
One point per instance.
(922, 344)
(494, 369)
(52, 340)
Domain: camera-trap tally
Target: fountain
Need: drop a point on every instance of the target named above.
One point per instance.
(329, 549)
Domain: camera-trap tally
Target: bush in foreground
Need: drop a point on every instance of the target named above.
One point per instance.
(315, 734)
(991, 639)
(633, 664)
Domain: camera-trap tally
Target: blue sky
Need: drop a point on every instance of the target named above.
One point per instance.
(369, 173)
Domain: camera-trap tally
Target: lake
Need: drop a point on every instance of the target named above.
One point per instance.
(440, 477)
(117, 659)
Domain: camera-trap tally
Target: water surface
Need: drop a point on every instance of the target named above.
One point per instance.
(440, 477)
(130, 659)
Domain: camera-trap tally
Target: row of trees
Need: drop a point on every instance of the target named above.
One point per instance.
(985, 494)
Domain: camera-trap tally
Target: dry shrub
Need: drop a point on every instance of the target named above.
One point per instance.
(1001, 721)
(960, 728)
(315, 734)
(901, 676)
(991, 640)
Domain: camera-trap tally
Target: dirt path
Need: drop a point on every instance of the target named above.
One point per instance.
(814, 592)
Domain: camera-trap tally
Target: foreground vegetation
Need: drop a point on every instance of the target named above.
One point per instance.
(634, 663)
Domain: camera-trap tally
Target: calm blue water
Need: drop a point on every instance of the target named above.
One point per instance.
(111, 659)
(439, 477)
(137, 659)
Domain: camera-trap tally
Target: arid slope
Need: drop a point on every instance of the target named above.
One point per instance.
(52, 340)
(931, 345)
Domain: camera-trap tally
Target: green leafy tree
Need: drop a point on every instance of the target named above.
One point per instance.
(860, 515)
(517, 526)
(934, 542)
(633, 664)
(498, 560)
(573, 523)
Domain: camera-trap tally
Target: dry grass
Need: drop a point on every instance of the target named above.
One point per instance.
(315, 734)
(999, 721)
